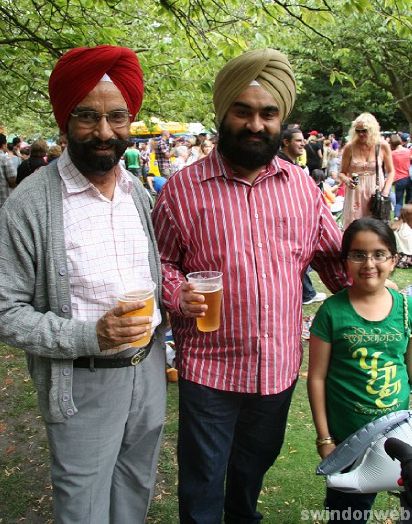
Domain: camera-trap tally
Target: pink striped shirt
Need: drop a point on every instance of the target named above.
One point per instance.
(262, 236)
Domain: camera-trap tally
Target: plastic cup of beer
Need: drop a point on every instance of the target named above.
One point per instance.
(210, 285)
(144, 292)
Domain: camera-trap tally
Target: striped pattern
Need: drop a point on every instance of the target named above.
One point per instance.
(262, 237)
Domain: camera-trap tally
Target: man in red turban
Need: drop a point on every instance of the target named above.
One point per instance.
(79, 70)
(79, 249)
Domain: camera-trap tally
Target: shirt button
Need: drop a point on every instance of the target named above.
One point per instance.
(66, 372)
(263, 275)
(70, 412)
(266, 306)
(62, 271)
(266, 335)
(256, 215)
(66, 397)
(65, 308)
(260, 244)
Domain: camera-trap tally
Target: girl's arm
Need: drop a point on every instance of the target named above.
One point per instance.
(319, 357)
(389, 169)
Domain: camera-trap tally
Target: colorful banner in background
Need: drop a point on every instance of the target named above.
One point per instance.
(156, 127)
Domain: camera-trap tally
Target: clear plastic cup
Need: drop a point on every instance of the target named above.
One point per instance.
(143, 292)
(210, 285)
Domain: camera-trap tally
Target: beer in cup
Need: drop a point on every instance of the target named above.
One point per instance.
(210, 285)
(145, 293)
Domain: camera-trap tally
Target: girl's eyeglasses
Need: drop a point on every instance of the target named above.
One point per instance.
(360, 258)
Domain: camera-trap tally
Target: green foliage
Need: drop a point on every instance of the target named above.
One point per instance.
(183, 43)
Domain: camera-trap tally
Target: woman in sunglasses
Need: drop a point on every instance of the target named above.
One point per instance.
(358, 167)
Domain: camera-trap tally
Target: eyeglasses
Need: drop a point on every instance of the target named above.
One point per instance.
(89, 118)
(361, 131)
(360, 258)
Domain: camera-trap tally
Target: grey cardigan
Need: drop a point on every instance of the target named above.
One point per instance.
(35, 308)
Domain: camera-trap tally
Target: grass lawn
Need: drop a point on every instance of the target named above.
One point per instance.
(25, 492)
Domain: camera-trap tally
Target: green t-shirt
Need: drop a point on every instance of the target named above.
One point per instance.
(367, 376)
(132, 158)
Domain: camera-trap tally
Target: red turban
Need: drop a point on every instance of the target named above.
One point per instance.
(79, 70)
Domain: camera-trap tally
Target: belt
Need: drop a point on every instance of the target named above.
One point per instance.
(93, 362)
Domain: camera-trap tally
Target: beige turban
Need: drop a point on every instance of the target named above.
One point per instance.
(270, 68)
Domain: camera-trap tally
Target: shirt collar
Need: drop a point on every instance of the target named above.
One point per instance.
(75, 182)
(216, 159)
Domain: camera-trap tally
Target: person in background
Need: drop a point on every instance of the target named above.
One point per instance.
(292, 145)
(62, 141)
(25, 153)
(358, 167)
(181, 158)
(354, 375)
(193, 145)
(8, 172)
(313, 150)
(319, 178)
(205, 148)
(407, 214)
(403, 235)
(76, 235)
(53, 153)
(333, 168)
(37, 158)
(402, 159)
(260, 221)
(405, 137)
(144, 159)
(155, 183)
(163, 154)
(13, 151)
(334, 144)
(326, 152)
(132, 159)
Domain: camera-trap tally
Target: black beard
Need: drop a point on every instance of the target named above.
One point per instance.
(87, 162)
(243, 153)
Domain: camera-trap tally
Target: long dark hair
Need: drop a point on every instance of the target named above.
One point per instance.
(380, 228)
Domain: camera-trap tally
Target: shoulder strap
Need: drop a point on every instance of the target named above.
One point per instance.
(406, 316)
(377, 148)
(311, 147)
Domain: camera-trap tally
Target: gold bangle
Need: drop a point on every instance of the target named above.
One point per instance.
(324, 441)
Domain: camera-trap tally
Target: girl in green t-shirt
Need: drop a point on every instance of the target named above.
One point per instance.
(360, 351)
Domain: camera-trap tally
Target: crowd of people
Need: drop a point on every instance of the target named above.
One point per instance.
(253, 203)
(344, 167)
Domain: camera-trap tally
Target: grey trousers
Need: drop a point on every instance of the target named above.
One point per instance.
(104, 458)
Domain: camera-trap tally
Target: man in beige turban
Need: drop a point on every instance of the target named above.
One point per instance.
(268, 68)
(259, 221)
